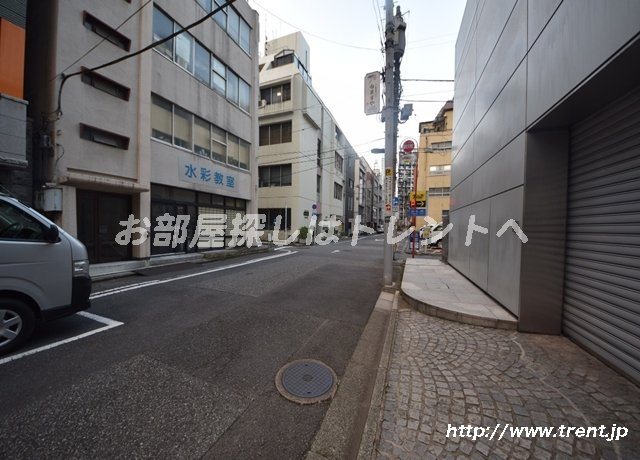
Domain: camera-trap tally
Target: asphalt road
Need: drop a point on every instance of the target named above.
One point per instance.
(190, 371)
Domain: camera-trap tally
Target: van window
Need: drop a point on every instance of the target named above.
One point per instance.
(15, 224)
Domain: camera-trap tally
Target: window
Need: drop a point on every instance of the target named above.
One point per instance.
(439, 170)
(201, 137)
(439, 191)
(233, 150)
(182, 128)
(244, 154)
(219, 144)
(283, 58)
(221, 16)
(441, 145)
(219, 73)
(319, 153)
(245, 95)
(233, 25)
(184, 50)
(337, 191)
(245, 36)
(271, 214)
(351, 184)
(275, 94)
(202, 64)
(318, 184)
(105, 84)
(205, 4)
(162, 28)
(100, 136)
(274, 176)
(338, 161)
(17, 225)
(277, 133)
(232, 87)
(105, 31)
(161, 116)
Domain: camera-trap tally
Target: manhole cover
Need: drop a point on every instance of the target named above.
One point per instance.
(306, 381)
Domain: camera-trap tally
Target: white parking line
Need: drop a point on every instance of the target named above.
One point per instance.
(109, 324)
(133, 287)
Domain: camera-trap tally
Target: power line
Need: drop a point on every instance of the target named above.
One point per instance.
(101, 41)
(136, 53)
(315, 35)
(424, 79)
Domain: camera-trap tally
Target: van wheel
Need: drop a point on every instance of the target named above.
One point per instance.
(16, 323)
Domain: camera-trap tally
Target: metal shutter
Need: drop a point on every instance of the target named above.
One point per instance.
(602, 276)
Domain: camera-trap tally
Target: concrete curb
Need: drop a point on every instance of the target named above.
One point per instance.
(451, 315)
(371, 434)
(349, 421)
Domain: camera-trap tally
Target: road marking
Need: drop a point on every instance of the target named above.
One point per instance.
(109, 324)
(337, 250)
(133, 287)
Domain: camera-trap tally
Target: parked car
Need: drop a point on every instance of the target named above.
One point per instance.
(435, 235)
(44, 272)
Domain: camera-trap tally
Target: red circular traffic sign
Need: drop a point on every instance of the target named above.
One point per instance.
(408, 146)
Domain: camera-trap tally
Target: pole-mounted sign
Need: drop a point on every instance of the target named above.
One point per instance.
(372, 93)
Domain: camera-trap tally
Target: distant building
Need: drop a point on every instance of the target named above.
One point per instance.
(170, 131)
(304, 156)
(547, 137)
(15, 147)
(434, 161)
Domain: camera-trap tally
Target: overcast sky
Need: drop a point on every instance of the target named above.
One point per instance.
(345, 40)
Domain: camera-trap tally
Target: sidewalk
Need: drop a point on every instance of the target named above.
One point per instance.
(443, 374)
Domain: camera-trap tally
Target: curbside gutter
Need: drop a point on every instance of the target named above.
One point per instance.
(351, 425)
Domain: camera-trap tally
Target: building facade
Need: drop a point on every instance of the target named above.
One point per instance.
(303, 155)
(546, 136)
(434, 161)
(15, 148)
(171, 131)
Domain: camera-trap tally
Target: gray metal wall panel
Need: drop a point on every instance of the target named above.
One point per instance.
(506, 56)
(479, 245)
(491, 23)
(505, 119)
(539, 13)
(581, 35)
(602, 279)
(504, 171)
(504, 252)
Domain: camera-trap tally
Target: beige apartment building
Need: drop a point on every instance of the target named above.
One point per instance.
(434, 161)
(172, 130)
(303, 153)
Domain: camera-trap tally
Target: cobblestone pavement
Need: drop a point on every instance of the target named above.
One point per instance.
(445, 373)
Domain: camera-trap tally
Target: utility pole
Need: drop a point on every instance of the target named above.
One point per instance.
(394, 49)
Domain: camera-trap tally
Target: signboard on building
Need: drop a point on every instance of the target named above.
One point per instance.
(372, 93)
(419, 197)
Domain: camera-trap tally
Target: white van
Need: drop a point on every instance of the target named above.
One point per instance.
(44, 272)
